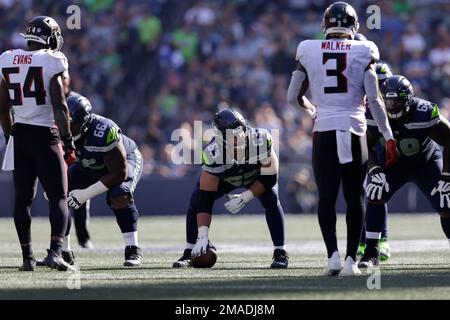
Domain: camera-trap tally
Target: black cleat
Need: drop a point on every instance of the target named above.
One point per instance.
(54, 261)
(28, 265)
(371, 258)
(280, 259)
(367, 262)
(133, 256)
(184, 261)
(68, 257)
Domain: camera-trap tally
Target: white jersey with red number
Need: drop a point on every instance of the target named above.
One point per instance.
(27, 75)
(335, 69)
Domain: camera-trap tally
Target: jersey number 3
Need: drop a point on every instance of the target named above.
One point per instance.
(34, 76)
(341, 64)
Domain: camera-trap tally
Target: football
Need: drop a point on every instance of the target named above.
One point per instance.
(206, 260)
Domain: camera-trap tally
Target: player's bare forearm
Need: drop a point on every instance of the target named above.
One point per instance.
(204, 219)
(257, 188)
(60, 109)
(116, 164)
(440, 133)
(5, 110)
(371, 141)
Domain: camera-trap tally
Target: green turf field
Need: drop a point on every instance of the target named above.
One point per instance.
(419, 268)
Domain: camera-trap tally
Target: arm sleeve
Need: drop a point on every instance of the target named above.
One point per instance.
(376, 104)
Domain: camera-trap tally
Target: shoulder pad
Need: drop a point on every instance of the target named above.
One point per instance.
(301, 49)
(260, 144)
(423, 114)
(59, 61)
(104, 135)
(213, 160)
(374, 53)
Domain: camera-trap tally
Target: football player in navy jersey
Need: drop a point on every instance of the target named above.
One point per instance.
(107, 162)
(237, 156)
(419, 129)
(383, 72)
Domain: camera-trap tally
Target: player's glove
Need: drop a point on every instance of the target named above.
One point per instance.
(391, 153)
(78, 197)
(201, 245)
(238, 201)
(377, 185)
(443, 187)
(69, 149)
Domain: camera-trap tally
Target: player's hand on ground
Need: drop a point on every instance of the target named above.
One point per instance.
(377, 185)
(238, 201)
(443, 187)
(391, 153)
(200, 246)
(77, 198)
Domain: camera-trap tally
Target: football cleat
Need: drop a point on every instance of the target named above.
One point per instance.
(54, 261)
(184, 261)
(133, 256)
(280, 259)
(350, 268)
(333, 265)
(361, 248)
(385, 250)
(367, 262)
(370, 258)
(68, 257)
(28, 265)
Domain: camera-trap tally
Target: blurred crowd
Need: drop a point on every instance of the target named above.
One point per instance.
(157, 65)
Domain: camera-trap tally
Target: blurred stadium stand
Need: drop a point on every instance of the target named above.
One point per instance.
(157, 65)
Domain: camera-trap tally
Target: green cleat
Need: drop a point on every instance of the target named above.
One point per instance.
(361, 248)
(385, 249)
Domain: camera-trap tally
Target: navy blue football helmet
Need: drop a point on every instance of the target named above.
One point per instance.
(230, 121)
(397, 92)
(80, 110)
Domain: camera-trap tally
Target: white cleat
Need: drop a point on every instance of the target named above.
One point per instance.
(350, 268)
(334, 265)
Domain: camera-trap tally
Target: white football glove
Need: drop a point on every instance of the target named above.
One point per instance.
(238, 201)
(201, 246)
(77, 198)
(377, 184)
(443, 187)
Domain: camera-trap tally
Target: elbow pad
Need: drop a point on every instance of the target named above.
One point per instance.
(206, 201)
(268, 181)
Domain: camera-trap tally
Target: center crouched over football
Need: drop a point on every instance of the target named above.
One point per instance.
(205, 260)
